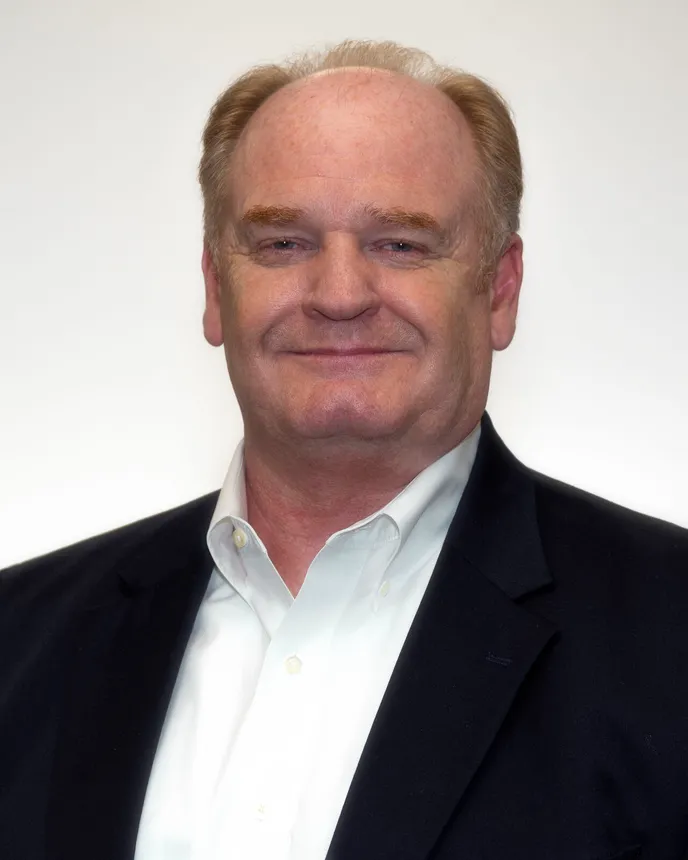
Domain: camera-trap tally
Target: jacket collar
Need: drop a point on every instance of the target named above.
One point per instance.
(496, 527)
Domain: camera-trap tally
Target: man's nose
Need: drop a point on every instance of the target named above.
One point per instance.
(342, 282)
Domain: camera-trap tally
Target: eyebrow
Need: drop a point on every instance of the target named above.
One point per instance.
(282, 216)
(279, 216)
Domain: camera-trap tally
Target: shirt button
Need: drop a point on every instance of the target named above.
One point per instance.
(293, 665)
(260, 812)
(240, 539)
(383, 591)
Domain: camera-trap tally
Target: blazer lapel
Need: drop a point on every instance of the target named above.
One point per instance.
(136, 628)
(468, 652)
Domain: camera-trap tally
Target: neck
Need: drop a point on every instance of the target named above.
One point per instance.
(297, 498)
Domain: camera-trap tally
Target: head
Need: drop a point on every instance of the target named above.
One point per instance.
(361, 258)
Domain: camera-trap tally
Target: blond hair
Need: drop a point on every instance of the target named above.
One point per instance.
(487, 114)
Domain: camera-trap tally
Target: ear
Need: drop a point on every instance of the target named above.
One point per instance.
(504, 294)
(212, 320)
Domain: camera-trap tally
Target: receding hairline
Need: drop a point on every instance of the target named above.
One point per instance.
(438, 100)
(370, 73)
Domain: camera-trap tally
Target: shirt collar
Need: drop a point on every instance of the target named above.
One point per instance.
(429, 502)
(424, 507)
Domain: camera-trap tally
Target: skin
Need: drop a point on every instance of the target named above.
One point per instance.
(359, 349)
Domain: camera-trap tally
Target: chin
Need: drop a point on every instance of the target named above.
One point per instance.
(344, 421)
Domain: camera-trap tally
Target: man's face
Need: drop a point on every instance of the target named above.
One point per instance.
(346, 295)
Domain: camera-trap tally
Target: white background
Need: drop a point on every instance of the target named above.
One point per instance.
(112, 405)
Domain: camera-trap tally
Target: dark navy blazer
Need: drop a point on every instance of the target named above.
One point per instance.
(538, 709)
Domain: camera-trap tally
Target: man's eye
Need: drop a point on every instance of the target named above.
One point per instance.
(401, 247)
(281, 245)
(281, 251)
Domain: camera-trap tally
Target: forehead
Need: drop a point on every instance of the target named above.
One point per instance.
(356, 133)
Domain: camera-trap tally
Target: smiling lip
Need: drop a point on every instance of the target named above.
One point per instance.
(358, 350)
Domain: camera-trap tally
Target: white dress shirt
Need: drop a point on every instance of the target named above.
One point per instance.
(276, 695)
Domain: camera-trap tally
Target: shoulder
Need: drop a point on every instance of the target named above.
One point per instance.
(42, 600)
(594, 522)
(628, 567)
(62, 576)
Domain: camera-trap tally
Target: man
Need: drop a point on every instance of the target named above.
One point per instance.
(386, 639)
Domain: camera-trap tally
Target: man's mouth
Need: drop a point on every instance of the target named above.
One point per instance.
(345, 351)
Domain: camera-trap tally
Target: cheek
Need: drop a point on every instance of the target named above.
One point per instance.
(437, 306)
(457, 334)
(255, 302)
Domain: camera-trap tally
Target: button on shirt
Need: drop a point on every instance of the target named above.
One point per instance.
(276, 695)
